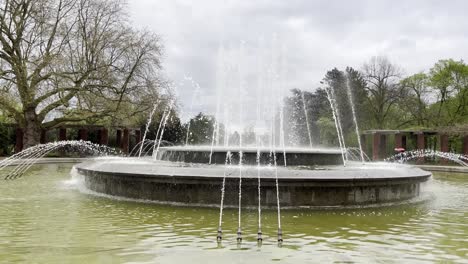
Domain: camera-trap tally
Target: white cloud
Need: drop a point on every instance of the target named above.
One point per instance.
(319, 35)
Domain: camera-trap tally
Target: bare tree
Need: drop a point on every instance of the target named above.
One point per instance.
(72, 61)
(382, 85)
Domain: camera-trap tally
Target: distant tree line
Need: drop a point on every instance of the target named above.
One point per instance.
(384, 99)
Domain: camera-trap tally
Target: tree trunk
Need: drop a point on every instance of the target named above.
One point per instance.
(32, 129)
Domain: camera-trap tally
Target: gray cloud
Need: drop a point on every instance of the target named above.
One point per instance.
(319, 35)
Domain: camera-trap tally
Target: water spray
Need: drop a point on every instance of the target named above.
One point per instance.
(353, 110)
(147, 127)
(331, 101)
(25, 159)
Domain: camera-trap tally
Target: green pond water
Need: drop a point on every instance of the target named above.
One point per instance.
(46, 218)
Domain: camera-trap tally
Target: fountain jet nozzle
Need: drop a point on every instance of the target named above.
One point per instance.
(280, 235)
(239, 235)
(219, 237)
(259, 235)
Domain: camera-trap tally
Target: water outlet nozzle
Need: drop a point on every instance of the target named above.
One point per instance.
(280, 235)
(259, 235)
(239, 235)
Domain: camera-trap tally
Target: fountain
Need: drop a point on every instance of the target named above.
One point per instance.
(267, 174)
(303, 185)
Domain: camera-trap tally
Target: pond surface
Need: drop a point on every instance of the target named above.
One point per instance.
(45, 218)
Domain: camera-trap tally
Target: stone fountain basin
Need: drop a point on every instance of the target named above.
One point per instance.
(252, 155)
(300, 186)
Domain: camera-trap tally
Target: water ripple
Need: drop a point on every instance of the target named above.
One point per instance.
(48, 220)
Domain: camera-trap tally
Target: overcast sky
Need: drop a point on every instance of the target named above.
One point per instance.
(318, 35)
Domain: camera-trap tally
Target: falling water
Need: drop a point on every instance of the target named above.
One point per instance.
(422, 153)
(277, 83)
(234, 73)
(353, 110)
(213, 139)
(158, 132)
(136, 149)
(259, 233)
(241, 53)
(259, 112)
(156, 139)
(148, 145)
(226, 128)
(338, 120)
(228, 159)
(227, 162)
(239, 231)
(220, 86)
(282, 140)
(194, 96)
(147, 126)
(281, 82)
(330, 100)
(354, 154)
(166, 117)
(306, 119)
(188, 133)
(257, 143)
(280, 232)
(28, 157)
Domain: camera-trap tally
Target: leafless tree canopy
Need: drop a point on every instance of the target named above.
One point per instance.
(383, 87)
(78, 58)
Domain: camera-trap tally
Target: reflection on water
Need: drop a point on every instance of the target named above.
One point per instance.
(45, 219)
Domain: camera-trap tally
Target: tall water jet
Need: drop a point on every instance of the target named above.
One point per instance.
(258, 143)
(227, 162)
(280, 231)
(353, 111)
(338, 119)
(164, 122)
(282, 96)
(306, 115)
(213, 140)
(148, 123)
(279, 74)
(158, 132)
(194, 96)
(241, 57)
(259, 232)
(219, 88)
(334, 113)
(282, 136)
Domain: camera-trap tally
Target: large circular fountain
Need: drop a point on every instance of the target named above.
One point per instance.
(311, 178)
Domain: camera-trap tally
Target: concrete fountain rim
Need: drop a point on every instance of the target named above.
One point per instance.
(216, 149)
(196, 184)
(355, 172)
